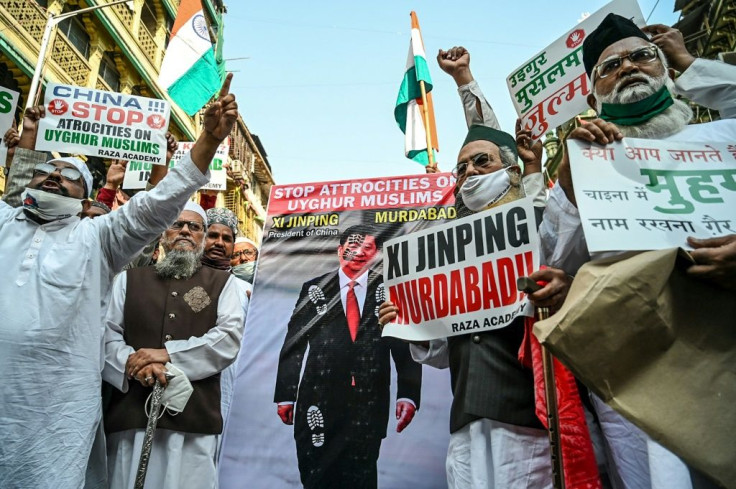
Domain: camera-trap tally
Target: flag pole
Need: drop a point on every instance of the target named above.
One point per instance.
(427, 130)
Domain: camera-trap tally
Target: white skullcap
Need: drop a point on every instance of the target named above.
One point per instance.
(194, 207)
(243, 239)
(80, 165)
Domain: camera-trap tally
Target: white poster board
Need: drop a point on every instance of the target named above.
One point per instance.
(551, 88)
(460, 277)
(137, 173)
(8, 104)
(643, 194)
(105, 124)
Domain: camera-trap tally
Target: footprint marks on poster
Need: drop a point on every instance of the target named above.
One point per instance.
(316, 423)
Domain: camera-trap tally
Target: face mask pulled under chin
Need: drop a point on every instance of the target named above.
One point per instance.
(50, 207)
(175, 395)
(482, 191)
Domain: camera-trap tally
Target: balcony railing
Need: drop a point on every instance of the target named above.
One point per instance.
(126, 16)
(28, 15)
(148, 44)
(31, 18)
(102, 84)
(70, 60)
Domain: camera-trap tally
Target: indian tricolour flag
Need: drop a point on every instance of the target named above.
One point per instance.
(189, 71)
(409, 104)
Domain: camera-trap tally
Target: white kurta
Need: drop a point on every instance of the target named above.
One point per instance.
(638, 460)
(178, 460)
(227, 378)
(485, 453)
(53, 297)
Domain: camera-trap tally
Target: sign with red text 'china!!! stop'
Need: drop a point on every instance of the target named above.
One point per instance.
(106, 124)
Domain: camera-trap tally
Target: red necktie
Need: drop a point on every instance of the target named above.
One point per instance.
(352, 311)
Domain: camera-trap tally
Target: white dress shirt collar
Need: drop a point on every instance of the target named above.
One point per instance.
(345, 280)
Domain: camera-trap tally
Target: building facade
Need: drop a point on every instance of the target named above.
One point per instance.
(121, 48)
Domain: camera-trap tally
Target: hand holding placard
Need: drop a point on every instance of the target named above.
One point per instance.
(31, 119)
(596, 131)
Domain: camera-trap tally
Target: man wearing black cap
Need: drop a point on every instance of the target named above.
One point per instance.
(632, 91)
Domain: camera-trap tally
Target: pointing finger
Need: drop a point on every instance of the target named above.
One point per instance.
(226, 85)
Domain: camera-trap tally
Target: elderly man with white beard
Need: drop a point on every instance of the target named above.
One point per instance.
(176, 316)
(632, 91)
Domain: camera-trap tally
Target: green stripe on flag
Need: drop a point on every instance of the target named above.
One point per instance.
(197, 86)
(421, 156)
(410, 89)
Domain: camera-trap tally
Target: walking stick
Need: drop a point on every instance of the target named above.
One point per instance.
(529, 286)
(158, 392)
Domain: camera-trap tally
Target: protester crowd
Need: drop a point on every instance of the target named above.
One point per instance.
(105, 299)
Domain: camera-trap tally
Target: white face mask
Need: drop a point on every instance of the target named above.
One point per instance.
(481, 191)
(177, 392)
(175, 395)
(50, 207)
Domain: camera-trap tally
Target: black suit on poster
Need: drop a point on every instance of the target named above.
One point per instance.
(348, 382)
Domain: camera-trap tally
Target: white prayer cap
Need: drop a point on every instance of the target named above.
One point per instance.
(80, 165)
(194, 207)
(243, 239)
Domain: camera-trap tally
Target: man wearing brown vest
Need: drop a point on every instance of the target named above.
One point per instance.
(181, 313)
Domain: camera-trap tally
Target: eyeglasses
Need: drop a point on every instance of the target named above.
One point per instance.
(70, 174)
(481, 160)
(194, 226)
(639, 57)
(248, 253)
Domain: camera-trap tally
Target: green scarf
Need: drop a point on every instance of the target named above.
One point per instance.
(639, 112)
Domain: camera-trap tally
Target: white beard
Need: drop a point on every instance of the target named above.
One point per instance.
(179, 264)
(671, 121)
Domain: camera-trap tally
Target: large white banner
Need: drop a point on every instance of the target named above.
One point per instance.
(460, 277)
(105, 124)
(643, 194)
(137, 173)
(297, 347)
(8, 103)
(551, 88)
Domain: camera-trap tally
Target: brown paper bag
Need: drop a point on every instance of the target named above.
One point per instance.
(659, 348)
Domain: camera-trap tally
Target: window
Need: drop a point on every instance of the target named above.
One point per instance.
(148, 17)
(73, 29)
(109, 73)
(168, 24)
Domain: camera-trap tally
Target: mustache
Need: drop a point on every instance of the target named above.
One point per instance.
(625, 82)
(624, 92)
(188, 240)
(215, 247)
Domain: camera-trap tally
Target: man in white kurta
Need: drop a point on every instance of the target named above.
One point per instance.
(57, 276)
(639, 461)
(180, 458)
(57, 279)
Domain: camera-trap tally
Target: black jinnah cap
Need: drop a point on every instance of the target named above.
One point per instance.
(485, 133)
(612, 29)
